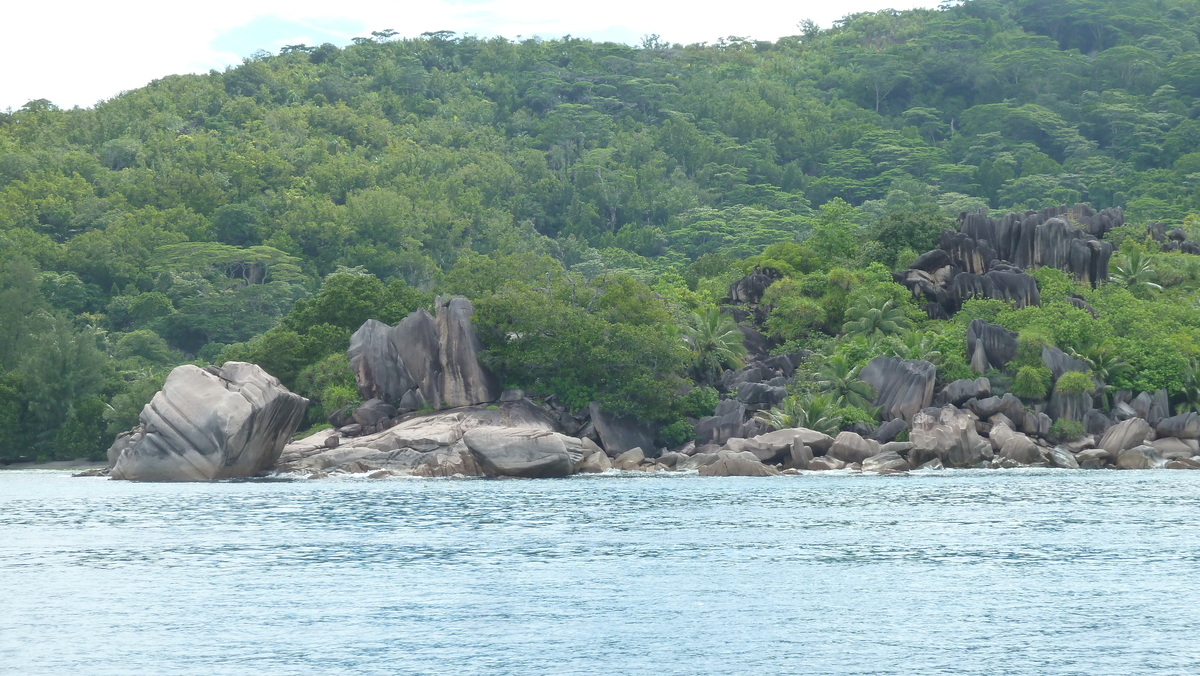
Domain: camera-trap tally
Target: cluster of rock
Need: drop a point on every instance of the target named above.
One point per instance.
(424, 361)
(989, 258)
(1175, 240)
(235, 420)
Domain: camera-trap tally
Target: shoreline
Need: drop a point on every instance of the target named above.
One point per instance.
(58, 464)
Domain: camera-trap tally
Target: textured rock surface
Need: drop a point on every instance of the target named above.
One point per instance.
(888, 461)
(988, 257)
(902, 386)
(424, 361)
(1060, 362)
(989, 346)
(1124, 435)
(1021, 449)
(415, 442)
(631, 459)
(849, 447)
(723, 425)
(888, 430)
(1061, 457)
(947, 434)
(462, 381)
(210, 423)
(959, 391)
(750, 289)
(618, 435)
(1183, 426)
(1140, 457)
(732, 463)
(533, 454)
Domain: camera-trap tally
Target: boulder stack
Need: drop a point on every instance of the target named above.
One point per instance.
(425, 361)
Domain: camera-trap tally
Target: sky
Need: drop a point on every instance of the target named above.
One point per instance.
(79, 52)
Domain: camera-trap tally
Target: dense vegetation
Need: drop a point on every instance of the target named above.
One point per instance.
(595, 200)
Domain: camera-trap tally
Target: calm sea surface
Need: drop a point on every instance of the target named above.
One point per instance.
(1017, 572)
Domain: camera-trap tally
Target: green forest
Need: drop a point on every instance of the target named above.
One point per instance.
(595, 201)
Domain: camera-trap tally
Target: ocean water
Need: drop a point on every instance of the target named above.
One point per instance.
(969, 572)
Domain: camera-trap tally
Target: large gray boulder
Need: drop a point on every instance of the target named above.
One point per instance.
(1124, 435)
(1009, 405)
(987, 257)
(887, 461)
(1140, 457)
(618, 435)
(1064, 406)
(1182, 426)
(780, 441)
(902, 386)
(533, 454)
(723, 425)
(210, 423)
(778, 446)
(989, 346)
(1061, 457)
(462, 380)
(424, 361)
(959, 391)
(1152, 407)
(948, 434)
(1021, 449)
(733, 463)
(850, 447)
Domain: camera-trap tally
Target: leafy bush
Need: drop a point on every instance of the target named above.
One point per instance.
(1075, 382)
(1066, 430)
(676, 434)
(699, 402)
(854, 414)
(1032, 382)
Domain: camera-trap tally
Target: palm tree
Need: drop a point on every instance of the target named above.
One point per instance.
(917, 345)
(816, 412)
(1189, 395)
(873, 317)
(1105, 364)
(838, 378)
(1135, 273)
(715, 342)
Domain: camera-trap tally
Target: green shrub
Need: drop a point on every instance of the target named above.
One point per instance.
(855, 414)
(1032, 382)
(1075, 382)
(676, 434)
(1066, 430)
(699, 402)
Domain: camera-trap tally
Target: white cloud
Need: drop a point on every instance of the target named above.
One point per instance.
(77, 53)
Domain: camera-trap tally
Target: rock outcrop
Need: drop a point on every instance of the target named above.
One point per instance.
(1183, 426)
(425, 361)
(209, 423)
(989, 346)
(988, 257)
(949, 435)
(733, 463)
(528, 453)
(1125, 435)
(902, 386)
(618, 435)
(425, 445)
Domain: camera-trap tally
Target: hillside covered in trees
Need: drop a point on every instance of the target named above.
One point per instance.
(595, 202)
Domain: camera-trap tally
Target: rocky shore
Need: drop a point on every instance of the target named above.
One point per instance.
(431, 409)
(233, 421)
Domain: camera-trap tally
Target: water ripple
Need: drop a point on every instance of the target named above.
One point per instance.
(1022, 572)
